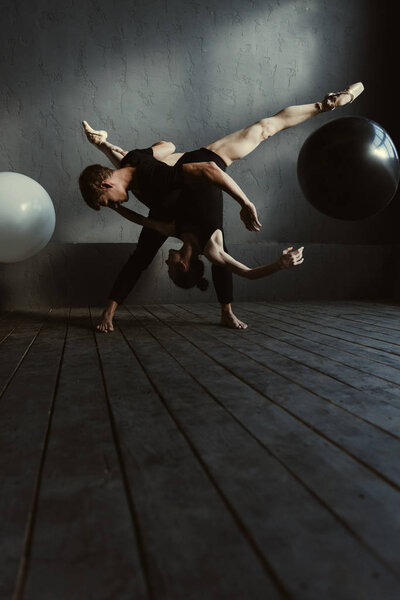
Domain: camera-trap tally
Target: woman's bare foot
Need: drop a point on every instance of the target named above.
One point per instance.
(332, 100)
(106, 324)
(94, 137)
(228, 319)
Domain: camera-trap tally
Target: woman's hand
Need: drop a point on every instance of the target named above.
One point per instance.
(291, 259)
(248, 214)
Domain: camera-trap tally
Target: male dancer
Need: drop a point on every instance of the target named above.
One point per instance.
(112, 189)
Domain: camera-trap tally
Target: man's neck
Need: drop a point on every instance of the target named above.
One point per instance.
(127, 176)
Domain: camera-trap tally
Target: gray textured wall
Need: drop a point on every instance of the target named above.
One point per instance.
(190, 72)
(81, 274)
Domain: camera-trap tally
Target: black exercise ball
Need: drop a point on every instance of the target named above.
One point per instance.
(349, 168)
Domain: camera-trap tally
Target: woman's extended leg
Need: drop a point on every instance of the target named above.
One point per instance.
(236, 145)
(99, 139)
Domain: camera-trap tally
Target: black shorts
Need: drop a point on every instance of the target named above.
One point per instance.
(202, 155)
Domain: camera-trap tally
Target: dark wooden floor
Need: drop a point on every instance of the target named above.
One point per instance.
(176, 460)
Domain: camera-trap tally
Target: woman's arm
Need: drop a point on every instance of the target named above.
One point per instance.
(211, 172)
(113, 153)
(167, 229)
(218, 256)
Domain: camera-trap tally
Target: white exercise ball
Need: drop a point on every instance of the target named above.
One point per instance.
(27, 217)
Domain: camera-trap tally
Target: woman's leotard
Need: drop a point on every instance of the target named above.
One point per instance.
(199, 208)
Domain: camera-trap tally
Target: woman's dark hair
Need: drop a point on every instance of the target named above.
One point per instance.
(192, 277)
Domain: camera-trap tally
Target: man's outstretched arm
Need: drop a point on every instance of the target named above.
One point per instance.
(211, 172)
(165, 228)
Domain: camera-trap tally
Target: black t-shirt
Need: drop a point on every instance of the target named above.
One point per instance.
(156, 179)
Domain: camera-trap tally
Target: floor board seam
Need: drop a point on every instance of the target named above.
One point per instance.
(322, 344)
(339, 338)
(247, 535)
(322, 502)
(302, 386)
(129, 497)
(25, 353)
(29, 532)
(351, 333)
(365, 464)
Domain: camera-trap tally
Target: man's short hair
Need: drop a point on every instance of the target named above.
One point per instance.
(90, 181)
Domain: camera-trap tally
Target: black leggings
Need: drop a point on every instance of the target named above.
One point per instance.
(148, 245)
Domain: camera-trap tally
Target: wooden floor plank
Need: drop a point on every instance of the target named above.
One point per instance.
(374, 309)
(224, 446)
(6, 318)
(24, 414)
(341, 366)
(365, 313)
(178, 459)
(83, 543)
(16, 345)
(333, 337)
(384, 308)
(342, 375)
(316, 343)
(359, 333)
(376, 312)
(6, 330)
(367, 504)
(366, 406)
(12, 319)
(195, 546)
(6, 315)
(351, 433)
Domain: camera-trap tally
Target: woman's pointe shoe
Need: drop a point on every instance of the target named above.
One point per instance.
(334, 99)
(94, 137)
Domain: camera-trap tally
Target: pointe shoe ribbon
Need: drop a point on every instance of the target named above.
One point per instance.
(354, 90)
(95, 137)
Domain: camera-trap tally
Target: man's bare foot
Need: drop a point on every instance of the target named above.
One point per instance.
(228, 319)
(94, 137)
(332, 100)
(106, 324)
